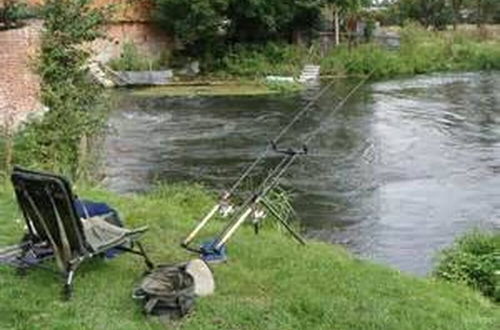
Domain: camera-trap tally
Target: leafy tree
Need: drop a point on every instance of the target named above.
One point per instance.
(346, 9)
(262, 20)
(196, 24)
(72, 98)
(456, 6)
(485, 10)
(201, 25)
(429, 13)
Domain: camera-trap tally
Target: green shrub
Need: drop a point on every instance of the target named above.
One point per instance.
(59, 141)
(251, 60)
(12, 13)
(132, 60)
(284, 86)
(421, 51)
(474, 260)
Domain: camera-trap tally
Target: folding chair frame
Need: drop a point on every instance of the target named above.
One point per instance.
(69, 250)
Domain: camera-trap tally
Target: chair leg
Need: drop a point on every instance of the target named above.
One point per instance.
(147, 261)
(67, 290)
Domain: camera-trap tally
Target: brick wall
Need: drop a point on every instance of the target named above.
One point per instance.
(149, 40)
(19, 88)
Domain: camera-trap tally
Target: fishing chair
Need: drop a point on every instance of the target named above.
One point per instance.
(47, 204)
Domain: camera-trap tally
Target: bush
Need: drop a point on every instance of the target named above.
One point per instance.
(474, 260)
(284, 86)
(200, 24)
(421, 51)
(12, 13)
(60, 140)
(250, 60)
(132, 60)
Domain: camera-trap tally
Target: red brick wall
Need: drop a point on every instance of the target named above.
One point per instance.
(149, 40)
(123, 10)
(19, 88)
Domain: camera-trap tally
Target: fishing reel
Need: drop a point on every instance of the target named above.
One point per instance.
(289, 151)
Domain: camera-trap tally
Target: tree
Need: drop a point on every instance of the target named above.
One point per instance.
(485, 10)
(430, 13)
(346, 8)
(72, 98)
(201, 24)
(262, 20)
(196, 24)
(456, 6)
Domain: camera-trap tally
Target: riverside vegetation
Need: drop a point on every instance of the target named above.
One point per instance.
(421, 51)
(60, 140)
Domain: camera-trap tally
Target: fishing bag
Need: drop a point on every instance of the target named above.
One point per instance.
(167, 290)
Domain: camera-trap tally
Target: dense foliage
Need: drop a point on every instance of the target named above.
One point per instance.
(57, 141)
(206, 26)
(475, 261)
(440, 13)
(421, 51)
(11, 13)
(131, 59)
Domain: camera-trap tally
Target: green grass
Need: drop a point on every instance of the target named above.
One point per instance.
(270, 282)
(227, 88)
(247, 60)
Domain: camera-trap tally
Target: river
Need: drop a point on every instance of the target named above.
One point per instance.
(395, 175)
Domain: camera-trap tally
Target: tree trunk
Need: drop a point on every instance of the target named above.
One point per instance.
(479, 15)
(337, 27)
(455, 17)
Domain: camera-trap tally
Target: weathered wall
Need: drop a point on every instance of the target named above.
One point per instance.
(149, 40)
(123, 10)
(19, 87)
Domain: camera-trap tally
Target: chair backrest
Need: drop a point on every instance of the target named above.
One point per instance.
(47, 204)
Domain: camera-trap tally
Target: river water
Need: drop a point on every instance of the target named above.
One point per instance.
(403, 168)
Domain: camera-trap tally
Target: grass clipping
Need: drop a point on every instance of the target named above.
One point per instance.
(270, 282)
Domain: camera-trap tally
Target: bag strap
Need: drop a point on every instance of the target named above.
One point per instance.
(150, 305)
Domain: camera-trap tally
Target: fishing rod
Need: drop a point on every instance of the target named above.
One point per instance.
(250, 201)
(297, 116)
(224, 198)
(267, 185)
(215, 247)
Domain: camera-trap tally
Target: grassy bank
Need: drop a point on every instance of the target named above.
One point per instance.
(240, 87)
(242, 68)
(270, 282)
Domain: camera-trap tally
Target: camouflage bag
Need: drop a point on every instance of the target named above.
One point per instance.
(167, 290)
